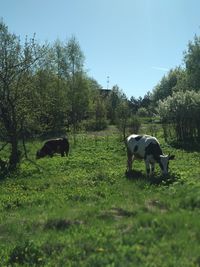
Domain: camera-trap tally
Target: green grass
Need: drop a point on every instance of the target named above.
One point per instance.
(84, 211)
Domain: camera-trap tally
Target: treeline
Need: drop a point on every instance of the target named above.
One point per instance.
(45, 89)
(177, 97)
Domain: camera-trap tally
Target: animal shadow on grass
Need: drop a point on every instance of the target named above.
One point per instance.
(155, 179)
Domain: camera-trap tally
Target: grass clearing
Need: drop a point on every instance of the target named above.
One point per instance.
(84, 211)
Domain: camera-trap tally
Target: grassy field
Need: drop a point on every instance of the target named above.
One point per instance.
(84, 211)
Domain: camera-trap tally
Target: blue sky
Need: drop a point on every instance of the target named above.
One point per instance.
(134, 42)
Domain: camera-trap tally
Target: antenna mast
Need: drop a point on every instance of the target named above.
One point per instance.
(108, 80)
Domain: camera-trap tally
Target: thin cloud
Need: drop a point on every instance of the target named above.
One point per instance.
(160, 68)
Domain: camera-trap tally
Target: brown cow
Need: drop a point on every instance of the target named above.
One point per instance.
(52, 146)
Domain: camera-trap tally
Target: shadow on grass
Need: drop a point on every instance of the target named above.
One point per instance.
(116, 213)
(154, 180)
(188, 144)
(61, 224)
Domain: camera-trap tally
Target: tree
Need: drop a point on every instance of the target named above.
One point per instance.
(60, 60)
(182, 111)
(78, 93)
(123, 115)
(51, 104)
(16, 66)
(192, 59)
(134, 104)
(166, 86)
(114, 99)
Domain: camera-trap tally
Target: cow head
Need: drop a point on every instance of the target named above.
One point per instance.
(164, 163)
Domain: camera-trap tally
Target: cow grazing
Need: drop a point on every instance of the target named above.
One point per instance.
(148, 148)
(52, 146)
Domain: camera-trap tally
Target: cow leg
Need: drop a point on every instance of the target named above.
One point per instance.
(147, 164)
(152, 168)
(129, 161)
(50, 153)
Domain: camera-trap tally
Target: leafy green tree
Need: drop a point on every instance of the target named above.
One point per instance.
(166, 86)
(114, 99)
(78, 87)
(123, 115)
(182, 111)
(181, 79)
(16, 66)
(96, 114)
(134, 104)
(192, 59)
(96, 120)
(146, 101)
(60, 60)
(51, 103)
(142, 112)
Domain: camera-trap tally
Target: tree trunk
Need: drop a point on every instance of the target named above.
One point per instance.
(15, 153)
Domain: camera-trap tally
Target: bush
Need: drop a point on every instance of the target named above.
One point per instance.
(142, 112)
(134, 124)
(182, 111)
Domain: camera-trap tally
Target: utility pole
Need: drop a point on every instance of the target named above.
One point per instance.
(108, 80)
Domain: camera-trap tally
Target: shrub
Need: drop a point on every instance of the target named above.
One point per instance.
(134, 124)
(182, 111)
(142, 112)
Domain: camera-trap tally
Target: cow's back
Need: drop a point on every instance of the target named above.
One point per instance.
(137, 144)
(57, 145)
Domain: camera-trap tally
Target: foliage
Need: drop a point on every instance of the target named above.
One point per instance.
(50, 103)
(134, 124)
(181, 79)
(113, 102)
(78, 90)
(145, 103)
(166, 86)
(182, 109)
(45, 90)
(16, 66)
(192, 59)
(95, 125)
(123, 115)
(42, 89)
(142, 112)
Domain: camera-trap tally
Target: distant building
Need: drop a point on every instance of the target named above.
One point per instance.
(105, 92)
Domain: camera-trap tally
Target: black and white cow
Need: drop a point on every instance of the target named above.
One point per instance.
(148, 148)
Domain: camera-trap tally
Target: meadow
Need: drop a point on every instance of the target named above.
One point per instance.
(83, 210)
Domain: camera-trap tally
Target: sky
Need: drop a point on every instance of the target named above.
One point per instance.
(133, 42)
